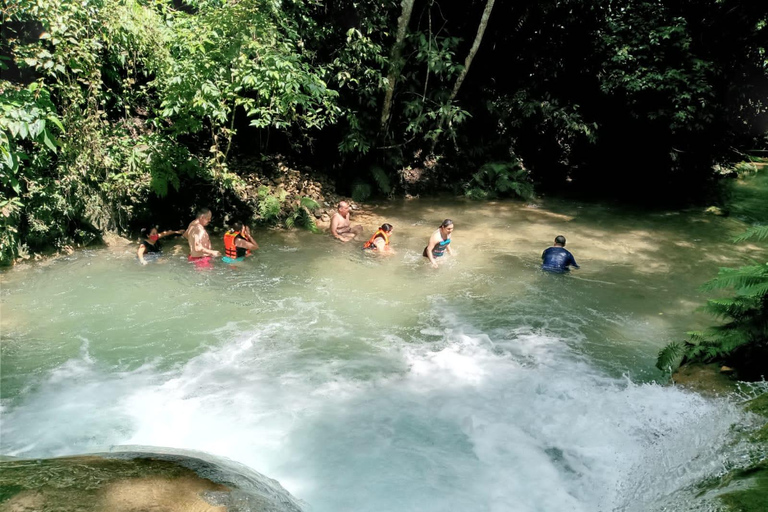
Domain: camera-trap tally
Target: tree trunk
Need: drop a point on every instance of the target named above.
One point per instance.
(473, 50)
(468, 60)
(394, 63)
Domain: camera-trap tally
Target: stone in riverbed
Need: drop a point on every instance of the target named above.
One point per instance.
(132, 482)
(704, 378)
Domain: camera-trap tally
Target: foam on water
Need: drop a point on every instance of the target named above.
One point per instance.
(384, 385)
(511, 420)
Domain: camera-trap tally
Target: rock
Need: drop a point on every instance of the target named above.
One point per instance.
(714, 210)
(132, 482)
(704, 378)
(114, 240)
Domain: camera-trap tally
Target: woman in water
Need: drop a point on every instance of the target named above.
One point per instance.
(379, 242)
(439, 243)
(151, 242)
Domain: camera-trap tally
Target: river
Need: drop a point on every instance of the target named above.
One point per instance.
(380, 384)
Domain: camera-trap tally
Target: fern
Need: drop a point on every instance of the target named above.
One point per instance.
(269, 205)
(500, 178)
(381, 179)
(739, 278)
(309, 203)
(476, 194)
(302, 217)
(361, 191)
(758, 232)
(743, 337)
(670, 357)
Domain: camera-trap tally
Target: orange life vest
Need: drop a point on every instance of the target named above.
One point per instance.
(379, 233)
(231, 250)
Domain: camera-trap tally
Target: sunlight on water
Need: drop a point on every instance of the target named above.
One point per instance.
(382, 385)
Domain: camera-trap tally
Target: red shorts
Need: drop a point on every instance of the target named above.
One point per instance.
(201, 261)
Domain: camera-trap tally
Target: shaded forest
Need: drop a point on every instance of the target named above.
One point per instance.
(119, 111)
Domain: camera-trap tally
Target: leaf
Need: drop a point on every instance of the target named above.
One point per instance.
(48, 142)
(670, 357)
(56, 122)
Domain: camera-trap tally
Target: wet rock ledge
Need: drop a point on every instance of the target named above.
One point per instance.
(137, 482)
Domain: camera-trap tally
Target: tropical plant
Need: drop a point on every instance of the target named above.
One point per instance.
(302, 215)
(500, 179)
(270, 204)
(742, 340)
(28, 124)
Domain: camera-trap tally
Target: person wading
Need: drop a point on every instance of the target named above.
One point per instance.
(439, 243)
(200, 251)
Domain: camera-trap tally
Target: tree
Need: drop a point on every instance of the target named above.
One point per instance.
(395, 64)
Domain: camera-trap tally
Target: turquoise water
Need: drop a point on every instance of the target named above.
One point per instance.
(365, 383)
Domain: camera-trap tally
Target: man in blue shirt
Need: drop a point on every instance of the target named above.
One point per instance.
(557, 258)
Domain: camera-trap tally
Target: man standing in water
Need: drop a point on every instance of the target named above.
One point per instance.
(340, 227)
(557, 258)
(200, 250)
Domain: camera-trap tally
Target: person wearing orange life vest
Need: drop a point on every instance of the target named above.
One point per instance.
(238, 243)
(380, 240)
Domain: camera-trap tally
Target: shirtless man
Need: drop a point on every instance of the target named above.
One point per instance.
(340, 227)
(199, 243)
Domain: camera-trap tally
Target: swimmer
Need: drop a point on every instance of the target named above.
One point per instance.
(379, 242)
(439, 243)
(151, 243)
(556, 258)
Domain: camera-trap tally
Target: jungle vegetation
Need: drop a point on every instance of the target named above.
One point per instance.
(116, 111)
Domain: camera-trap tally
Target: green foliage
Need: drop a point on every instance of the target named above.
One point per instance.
(302, 216)
(500, 179)
(563, 124)
(154, 96)
(381, 179)
(757, 232)
(274, 207)
(650, 57)
(671, 356)
(129, 79)
(242, 56)
(270, 205)
(361, 191)
(476, 194)
(743, 337)
(28, 123)
(745, 168)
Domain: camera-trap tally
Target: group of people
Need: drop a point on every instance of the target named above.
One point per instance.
(238, 242)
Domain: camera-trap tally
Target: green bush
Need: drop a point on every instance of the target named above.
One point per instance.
(500, 179)
(742, 341)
